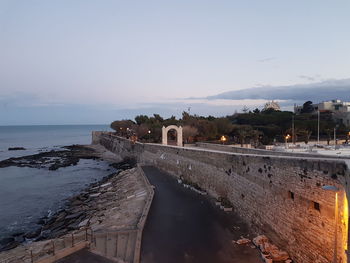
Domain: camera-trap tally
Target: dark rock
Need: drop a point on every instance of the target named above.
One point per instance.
(16, 148)
(58, 233)
(75, 215)
(9, 246)
(33, 234)
(57, 226)
(76, 202)
(74, 225)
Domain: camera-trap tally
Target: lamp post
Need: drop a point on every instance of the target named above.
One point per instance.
(335, 135)
(223, 139)
(286, 139)
(334, 189)
(293, 130)
(318, 127)
(149, 135)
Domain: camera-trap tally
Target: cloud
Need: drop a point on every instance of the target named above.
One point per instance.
(307, 77)
(320, 91)
(266, 59)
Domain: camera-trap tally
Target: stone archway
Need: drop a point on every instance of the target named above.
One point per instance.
(165, 131)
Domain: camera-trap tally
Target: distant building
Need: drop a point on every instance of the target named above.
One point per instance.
(340, 110)
(272, 105)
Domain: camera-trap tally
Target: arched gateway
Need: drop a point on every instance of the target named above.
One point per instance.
(178, 134)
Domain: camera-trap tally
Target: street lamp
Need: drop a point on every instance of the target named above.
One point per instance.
(287, 137)
(223, 139)
(149, 135)
(334, 189)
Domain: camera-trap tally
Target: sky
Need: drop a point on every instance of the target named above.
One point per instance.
(81, 61)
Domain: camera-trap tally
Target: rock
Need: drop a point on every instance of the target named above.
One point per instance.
(73, 226)
(61, 216)
(57, 226)
(16, 148)
(76, 202)
(243, 241)
(33, 234)
(260, 240)
(270, 252)
(279, 255)
(95, 195)
(104, 185)
(266, 258)
(9, 246)
(75, 215)
(83, 223)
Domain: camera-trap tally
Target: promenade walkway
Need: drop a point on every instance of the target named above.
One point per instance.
(183, 226)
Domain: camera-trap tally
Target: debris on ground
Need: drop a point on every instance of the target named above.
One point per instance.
(270, 252)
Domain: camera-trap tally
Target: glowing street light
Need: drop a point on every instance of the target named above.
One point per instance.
(149, 135)
(287, 137)
(334, 189)
(223, 139)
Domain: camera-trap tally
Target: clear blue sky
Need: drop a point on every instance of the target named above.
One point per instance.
(94, 61)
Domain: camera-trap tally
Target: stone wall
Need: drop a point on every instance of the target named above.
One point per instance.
(281, 197)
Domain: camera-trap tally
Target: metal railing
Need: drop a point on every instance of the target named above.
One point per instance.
(51, 248)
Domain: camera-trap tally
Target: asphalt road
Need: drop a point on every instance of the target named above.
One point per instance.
(183, 226)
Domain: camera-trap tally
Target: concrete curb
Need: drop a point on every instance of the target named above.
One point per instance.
(143, 218)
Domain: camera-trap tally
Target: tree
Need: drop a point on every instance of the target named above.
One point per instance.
(242, 132)
(188, 133)
(142, 131)
(223, 125)
(245, 109)
(140, 119)
(206, 129)
(304, 135)
(122, 127)
(307, 107)
(256, 111)
(158, 118)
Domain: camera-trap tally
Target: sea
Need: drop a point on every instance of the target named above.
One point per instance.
(28, 194)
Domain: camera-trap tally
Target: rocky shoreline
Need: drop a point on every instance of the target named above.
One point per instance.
(113, 204)
(54, 159)
(78, 209)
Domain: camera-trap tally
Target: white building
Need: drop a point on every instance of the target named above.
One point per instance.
(339, 109)
(333, 106)
(272, 105)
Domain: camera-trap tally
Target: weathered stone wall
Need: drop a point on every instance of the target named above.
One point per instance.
(279, 196)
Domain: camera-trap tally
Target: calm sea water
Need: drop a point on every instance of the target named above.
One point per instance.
(41, 137)
(27, 194)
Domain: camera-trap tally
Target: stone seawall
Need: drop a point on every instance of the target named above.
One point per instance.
(278, 196)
